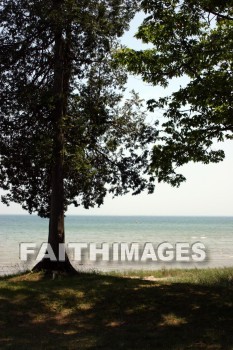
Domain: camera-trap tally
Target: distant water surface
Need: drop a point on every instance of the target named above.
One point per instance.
(215, 232)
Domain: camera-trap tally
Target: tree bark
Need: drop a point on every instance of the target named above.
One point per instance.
(60, 93)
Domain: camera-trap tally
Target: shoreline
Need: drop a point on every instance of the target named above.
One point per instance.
(144, 273)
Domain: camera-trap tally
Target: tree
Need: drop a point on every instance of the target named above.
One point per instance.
(192, 39)
(67, 135)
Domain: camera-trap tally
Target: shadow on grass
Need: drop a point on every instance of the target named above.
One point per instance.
(102, 312)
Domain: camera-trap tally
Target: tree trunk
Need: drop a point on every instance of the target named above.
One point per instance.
(60, 93)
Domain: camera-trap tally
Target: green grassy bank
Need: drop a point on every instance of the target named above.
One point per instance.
(167, 309)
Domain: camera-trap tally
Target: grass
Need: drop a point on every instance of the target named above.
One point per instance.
(167, 309)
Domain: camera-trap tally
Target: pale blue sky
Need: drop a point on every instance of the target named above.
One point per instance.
(207, 191)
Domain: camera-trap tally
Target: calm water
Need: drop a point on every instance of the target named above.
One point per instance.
(215, 232)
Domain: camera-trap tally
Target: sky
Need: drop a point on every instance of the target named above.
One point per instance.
(208, 190)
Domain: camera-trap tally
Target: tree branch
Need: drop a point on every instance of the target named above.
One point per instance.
(219, 15)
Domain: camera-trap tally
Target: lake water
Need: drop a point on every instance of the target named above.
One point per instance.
(216, 233)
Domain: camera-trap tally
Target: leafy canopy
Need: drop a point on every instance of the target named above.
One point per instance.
(105, 137)
(192, 39)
